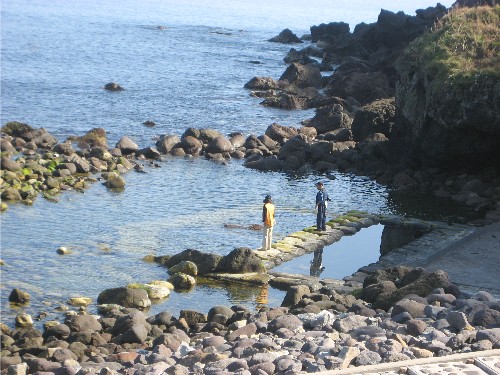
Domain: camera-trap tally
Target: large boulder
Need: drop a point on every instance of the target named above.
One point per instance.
(376, 117)
(19, 296)
(329, 118)
(280, 133)
(302, 76)
(365, 87)
(127, 297)
(328, 32)
(422, 286)
(261, 83)
(10, 165)
(219, 144)
(191, 145)
(205, 262)
(83, 323)
(205, 135)
(126, 145)
(285, 100)
(166, 143)
(269, 163)
(296, 147)
(241, 260)
(16, 129)
(286, 37)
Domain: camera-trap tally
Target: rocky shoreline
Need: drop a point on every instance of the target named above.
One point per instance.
(378, 315)
(386, 315)
(414, 314)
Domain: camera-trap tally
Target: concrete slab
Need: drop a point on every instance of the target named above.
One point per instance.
(447, 368)
(428, 366)
(490, 365)
(474, 261)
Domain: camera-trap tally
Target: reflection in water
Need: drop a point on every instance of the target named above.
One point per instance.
(342, 258)
(263, 298)
(395, 236)
(317, 263)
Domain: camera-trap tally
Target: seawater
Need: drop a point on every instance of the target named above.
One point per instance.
(182, 65)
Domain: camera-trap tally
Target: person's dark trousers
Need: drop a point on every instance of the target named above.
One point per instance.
(321, 218)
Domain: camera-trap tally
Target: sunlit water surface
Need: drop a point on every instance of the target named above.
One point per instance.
(57, 56)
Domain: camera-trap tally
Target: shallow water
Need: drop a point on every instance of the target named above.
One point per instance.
(340, 259)
(56, 57)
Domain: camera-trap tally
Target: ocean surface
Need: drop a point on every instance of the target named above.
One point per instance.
(182, 64)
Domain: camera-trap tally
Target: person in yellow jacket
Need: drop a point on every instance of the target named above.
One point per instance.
(269, 221)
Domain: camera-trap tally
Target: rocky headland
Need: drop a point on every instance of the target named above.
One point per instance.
(399, 107)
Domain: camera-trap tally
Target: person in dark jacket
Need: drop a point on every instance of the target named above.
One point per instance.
(321, 204)
(269, 221)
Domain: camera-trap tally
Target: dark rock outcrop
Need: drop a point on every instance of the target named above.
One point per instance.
(286, 37)
(241, 260)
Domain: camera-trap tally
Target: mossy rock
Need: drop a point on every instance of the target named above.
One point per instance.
(286, 248)
(186, 266)
(353, 219)
(16, 129)
(80, 301)
(149, 259)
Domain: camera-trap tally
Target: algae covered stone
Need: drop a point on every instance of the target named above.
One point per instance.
(186, 266)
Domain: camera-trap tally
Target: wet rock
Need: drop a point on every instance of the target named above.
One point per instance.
(112, 86)
(191, 145)
(241, 260)
(114, 181)
(187, 267)
(294, 294)
(192, 317)
(63, 250)
(11, 194)
(126, 145)
(261, 83)
(219, 145)
(376, 117)
(148, 153)
(19, 296)
(286, 37)
(181, 281)
(205, 262)
(166, 143)
(24, 320)
(302, 76)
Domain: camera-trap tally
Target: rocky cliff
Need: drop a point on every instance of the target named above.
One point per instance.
(448, 93)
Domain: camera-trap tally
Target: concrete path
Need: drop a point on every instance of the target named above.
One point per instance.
(470, 255)
(474, 261)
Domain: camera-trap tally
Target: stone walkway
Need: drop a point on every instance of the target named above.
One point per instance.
(470, 255)
(478, 363)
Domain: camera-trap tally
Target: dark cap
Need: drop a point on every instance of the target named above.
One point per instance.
(267, 198)
(319, 183)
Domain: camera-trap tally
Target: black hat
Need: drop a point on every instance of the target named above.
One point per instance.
(267, 199)
(319, 183)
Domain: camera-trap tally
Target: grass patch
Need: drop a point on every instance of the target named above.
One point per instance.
(463, 47)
